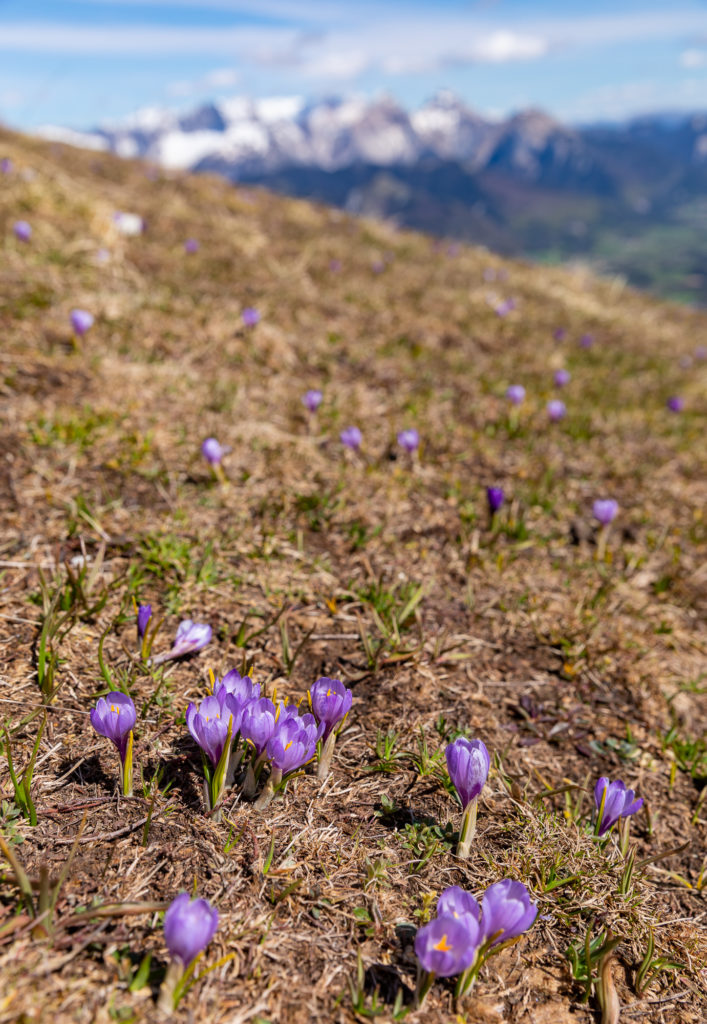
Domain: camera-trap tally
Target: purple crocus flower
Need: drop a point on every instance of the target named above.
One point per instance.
(189, 926)
(81, 321)
(23, 230)
(515, 394)
(335, 266)
(258, 723)
(495, 498)
(506, 909)
(618, 802)
(6, 165)
(586, 341)
(212, 451)
(114, 717)
(409, 440)
(294, 742)
(208, 723)
(605, 510)
(559, 334)
(190, 637)
(556, 410)
(312, 399)
(562, 378)
(448, 944)
(241, 688)
(250, 316)
(351, 437)
(468, 764)
(330, 701)
(675, 403)
(144, 614)
(458, 902)
(191, 245)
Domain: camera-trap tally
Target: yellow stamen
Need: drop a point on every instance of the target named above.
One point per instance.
(288, 745)
(115, 708)
(442, 945)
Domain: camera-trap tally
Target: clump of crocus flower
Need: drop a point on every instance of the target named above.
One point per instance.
(22, 230)
(114, 717)
(613, 802)
(409, 440)
(250, 316)
(495, 498)
(351, 438)
(312, 399)
(213, 726)
(675, 403)
(81, 321)
(190, 638)
(468, 764)
(330, 702)
(562, 378)
(515, 394)
(189, 926)
(556, 410)
(463, 935)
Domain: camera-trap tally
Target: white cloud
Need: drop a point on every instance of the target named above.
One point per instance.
(692, 59)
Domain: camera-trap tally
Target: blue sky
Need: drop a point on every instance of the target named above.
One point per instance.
(81, 62)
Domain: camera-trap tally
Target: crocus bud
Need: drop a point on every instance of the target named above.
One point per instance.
(556, 410)
(515, 394)
(212, 451)
(250, 316)
(409, 440)
(114, 717)
(468, 764)
(495, 498)
(189, 926)
(351, 437)
(506, 911)
(22, 230)
(312, 400)
(81, 321)
(613, 801)
(144, 614)
(605, 510)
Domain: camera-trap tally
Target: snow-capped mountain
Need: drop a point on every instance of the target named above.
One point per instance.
(525, 185)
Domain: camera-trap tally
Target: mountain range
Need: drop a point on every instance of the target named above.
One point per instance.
(627, 198)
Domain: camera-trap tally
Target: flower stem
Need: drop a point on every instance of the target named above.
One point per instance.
(326, 756)
(268, 793)
(424, 984)
(126, 767)
(466, 833)
(168, 988)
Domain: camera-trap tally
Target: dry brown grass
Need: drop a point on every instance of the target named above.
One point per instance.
(568, 668)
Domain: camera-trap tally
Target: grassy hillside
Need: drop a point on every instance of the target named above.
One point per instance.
(571, 654)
